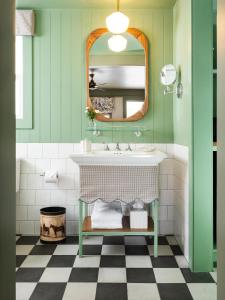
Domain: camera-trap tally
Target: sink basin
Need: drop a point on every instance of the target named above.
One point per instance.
(120, 152)
(119, 158)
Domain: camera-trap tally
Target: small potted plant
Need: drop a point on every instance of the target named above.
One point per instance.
(91, 113)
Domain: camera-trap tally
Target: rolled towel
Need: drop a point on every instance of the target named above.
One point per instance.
(138, 204)
(107, 215)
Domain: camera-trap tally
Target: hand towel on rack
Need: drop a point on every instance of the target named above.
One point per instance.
(107, 215)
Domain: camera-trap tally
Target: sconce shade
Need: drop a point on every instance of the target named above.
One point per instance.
(117, 22)
(117, 43)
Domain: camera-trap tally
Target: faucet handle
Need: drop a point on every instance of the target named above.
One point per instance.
(128, 148)
(117, 147)
(106, 148)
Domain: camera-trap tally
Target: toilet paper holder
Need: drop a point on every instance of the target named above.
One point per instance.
(43, 174)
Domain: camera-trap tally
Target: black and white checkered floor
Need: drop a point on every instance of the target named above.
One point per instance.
(114, 268)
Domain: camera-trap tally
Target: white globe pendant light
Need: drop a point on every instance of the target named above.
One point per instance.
(117, 43)
(117, 22)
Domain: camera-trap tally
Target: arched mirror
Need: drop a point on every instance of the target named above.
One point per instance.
(117, 80)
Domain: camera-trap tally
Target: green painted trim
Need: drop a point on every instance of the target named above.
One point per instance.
(221, 150)
(155, 205)
(81, 204)
(202, 135)
(26, 122)
(120, 233)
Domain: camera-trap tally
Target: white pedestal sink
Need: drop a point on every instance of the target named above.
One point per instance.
(119, 158)
(119, 175)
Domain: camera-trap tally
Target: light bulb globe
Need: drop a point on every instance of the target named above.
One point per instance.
(117, 43)
(117, 22)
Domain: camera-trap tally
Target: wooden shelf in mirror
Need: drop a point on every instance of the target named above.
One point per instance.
(96, 34)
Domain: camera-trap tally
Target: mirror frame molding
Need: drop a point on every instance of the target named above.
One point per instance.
(94, 35)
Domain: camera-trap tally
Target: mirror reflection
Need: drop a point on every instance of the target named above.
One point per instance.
(117, 79)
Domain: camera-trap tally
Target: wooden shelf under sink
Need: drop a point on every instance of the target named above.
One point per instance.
(126, 226)
(86, 230)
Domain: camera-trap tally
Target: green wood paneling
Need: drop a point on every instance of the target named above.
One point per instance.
(26, 122)
(55, 88)
(157, 57)
(45, 78)
(168, 44)
(34, 134)
(59, 80)
(77, 67)
(182, 59)
(66, 77)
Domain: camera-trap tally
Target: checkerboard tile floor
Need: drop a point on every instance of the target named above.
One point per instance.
(121, 268)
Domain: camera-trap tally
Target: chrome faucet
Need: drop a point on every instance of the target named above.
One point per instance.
(118, 147)
(128, 148)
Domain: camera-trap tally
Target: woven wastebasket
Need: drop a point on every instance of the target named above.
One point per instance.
(52, 224)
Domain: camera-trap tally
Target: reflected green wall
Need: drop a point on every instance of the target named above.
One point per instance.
(59, 87)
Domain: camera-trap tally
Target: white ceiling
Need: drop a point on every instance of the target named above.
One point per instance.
(120, 77)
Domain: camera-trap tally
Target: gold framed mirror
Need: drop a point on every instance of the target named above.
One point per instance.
(117, 82)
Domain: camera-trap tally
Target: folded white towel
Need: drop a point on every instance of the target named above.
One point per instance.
(107, 215)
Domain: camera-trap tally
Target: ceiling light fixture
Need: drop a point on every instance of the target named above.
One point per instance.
(117, 22)
(117, 43)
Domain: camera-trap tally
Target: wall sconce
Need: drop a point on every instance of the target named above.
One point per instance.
(169, 77)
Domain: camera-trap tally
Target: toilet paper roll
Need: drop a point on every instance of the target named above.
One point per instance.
(51, 176)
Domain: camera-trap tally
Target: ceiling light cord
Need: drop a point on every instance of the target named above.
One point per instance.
(117, 22)
(118, 5)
